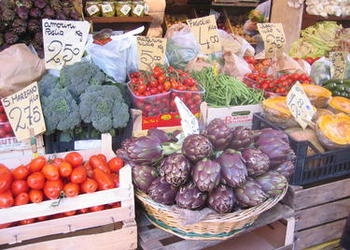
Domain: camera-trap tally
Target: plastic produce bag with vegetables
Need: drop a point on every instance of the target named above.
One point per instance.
(321, 71)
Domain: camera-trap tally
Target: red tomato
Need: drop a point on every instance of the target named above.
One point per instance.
(19, 186)
(36, 196)
(89, 186)
(20, 173)
(74, 158)
(6, 199)
(65, 169)
(96, 208)
(5, 225)
(79, 175)
(57, 161)
(37, 164)
(104, 180)
(71, 189)
(5, 178)
(115, 164)
(96, 162)
(52, 189)
(3, 117)
(22, 199)
(83, 210)
(102, 157)
(51, 172)
(115, 204)
(70, 213)
(42, 218)
(27, 221)
(116, 180)
(36, 180)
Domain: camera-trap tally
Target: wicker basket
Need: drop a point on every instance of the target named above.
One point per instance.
(213, 227)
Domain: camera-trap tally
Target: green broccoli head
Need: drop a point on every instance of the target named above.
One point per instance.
(61, 112)
(104, 107)
(47, 84)
(77, 77)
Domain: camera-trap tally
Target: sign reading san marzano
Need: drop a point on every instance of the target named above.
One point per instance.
(24, 112)
(151, 51)
(64, 41)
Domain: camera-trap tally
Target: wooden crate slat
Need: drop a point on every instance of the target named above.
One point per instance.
(318, 235)
(322, 214)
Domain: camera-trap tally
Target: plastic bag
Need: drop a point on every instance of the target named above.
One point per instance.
(321, 71)
(118, 57)
(19, 68)
(182, 45)
(235, 65)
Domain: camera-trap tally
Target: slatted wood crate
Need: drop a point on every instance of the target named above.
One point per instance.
(320, 212)
(113, 228)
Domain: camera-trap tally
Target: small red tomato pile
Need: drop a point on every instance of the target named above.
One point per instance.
(154, 92)
(42, 179)
(258, 65)
(5, 127)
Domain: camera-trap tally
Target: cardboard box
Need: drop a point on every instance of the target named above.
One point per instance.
(233, 116)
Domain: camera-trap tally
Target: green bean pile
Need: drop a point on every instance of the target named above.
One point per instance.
(223, 90)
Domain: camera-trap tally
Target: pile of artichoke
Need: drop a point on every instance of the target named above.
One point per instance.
(223, 168)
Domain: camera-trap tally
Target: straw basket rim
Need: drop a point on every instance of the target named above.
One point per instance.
(212, 227)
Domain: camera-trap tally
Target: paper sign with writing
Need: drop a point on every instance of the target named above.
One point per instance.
(151, 51)
(24, 112)
(338, 59)
(64, 42)
(189, 122)
(206, 32)
(300, 105)
(273, 37)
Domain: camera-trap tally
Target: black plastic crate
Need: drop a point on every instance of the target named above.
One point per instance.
(316, 168)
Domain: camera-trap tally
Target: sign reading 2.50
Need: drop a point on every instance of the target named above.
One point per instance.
(151, 51)
(64, 42)
(206, 32)
(24, 112)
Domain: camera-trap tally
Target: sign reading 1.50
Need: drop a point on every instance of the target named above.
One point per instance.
(206, 33)
(24, 112)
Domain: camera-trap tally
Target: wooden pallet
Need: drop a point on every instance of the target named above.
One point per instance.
(268, 224)
(320, 212)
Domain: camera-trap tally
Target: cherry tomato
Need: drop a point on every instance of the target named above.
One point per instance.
(115, 164)
(51, 172)
(36, 196)
(89, 186)
(22, 199)
(20, 173)
(37, 164)
(79, 175)
(52, 189)
(6, 199)
(65, 169)
(74, 158)
(102, 157)
(71, 189)
(104, 180)
(5, 178)
(57, 161)
(36, 180)
(19, 186)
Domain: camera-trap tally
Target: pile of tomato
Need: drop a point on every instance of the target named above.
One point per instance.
(42, 179)
(154, 91)
(5, 127)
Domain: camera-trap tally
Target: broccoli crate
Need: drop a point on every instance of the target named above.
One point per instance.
(103, 229)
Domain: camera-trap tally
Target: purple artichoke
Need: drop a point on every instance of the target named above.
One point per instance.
(256, 161)
(40, 4)
(272, 183)
(162, 192)
(19, 26)
(242, 137)
(218, 133)
(26, 3)
(250, 194)
(222, 199)
(190, 197)
(7, 14)
(143, 176)
(161, 135)
(233, 168)
(206, 174)
(35, 13)
(11, 37)
(50, 13)
(22, 12)
(196, 147)
(176, 169)
(286, 168)
(34, 25)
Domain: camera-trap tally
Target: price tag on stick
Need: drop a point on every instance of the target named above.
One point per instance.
(338, 59)
(273, 37)
(206, 32)
(24, 112)
(300, 106)
(151, 51)
(64, 42)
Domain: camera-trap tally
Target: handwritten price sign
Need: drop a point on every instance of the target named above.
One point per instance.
(273, 37)
(338, 59)
(24, 112)
(151, 51)
(206, 33)
(300, 106)
(64, 42)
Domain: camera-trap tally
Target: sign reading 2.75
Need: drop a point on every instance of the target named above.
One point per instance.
(24, 112)
(64, 42)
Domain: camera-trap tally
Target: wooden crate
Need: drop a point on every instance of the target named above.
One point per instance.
(268, 233)
(32, 236)
(320, 212)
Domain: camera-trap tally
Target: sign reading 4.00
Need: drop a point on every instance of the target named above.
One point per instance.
(206, 33)
(64, 42)
(24, 112)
